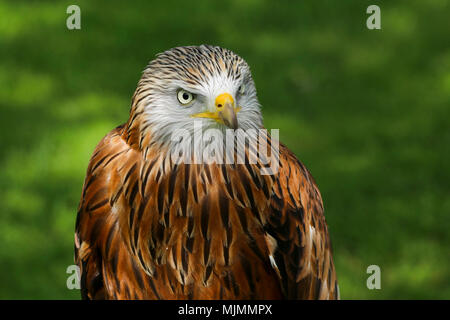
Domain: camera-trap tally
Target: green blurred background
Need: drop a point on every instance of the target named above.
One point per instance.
(367, 111)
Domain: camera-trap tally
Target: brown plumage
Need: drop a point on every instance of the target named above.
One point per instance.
(148, 228)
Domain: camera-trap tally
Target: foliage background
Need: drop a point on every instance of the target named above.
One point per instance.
(366, 111)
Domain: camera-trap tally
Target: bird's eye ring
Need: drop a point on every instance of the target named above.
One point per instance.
(184, 97)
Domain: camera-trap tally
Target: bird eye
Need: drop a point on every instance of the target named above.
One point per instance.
(241, 89)
(185, 97)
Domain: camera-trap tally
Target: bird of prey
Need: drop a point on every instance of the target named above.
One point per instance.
(150, 227)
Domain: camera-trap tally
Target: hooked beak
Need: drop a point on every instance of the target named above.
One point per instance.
(225, 112)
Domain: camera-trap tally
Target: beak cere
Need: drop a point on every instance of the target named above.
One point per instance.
(226, 111)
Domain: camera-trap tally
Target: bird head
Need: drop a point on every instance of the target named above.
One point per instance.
(205, 84)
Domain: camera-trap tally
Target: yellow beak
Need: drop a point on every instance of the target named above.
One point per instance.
(225, 111)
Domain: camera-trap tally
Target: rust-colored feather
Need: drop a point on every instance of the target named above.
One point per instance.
(150, 229)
